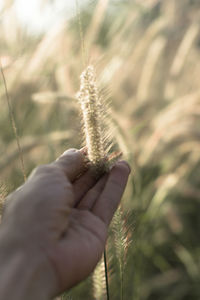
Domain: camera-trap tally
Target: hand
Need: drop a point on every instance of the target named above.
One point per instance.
(60, 216)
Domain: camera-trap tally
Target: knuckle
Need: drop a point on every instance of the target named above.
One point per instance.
(43, 169)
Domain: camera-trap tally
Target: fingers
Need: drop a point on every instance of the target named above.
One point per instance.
(93, 194)
(108, 202)
(83, 184)
(73, 162)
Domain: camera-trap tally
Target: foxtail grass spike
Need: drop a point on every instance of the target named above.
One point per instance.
(92, 110)
(97, 145)
(121, 244)
(99, 281)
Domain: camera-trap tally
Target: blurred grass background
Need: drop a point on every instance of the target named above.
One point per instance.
(147, 56)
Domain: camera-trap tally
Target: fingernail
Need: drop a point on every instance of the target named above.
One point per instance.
(124, 162)
(84, 151)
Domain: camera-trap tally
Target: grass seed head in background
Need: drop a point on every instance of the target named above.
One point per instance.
(121, 242)
(99, 282)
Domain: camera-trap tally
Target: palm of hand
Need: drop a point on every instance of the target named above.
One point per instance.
(78, 252)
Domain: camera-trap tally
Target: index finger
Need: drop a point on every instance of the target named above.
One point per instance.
(109, 200)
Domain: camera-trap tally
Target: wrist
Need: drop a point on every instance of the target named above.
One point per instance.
(24, 271)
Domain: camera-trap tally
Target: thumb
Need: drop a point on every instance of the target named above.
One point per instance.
(73, 162)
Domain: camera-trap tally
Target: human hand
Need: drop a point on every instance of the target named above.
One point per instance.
(60, 216)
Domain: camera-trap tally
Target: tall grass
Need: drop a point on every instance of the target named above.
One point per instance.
(149, 56)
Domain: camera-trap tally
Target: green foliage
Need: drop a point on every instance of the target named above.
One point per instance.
(149, 57)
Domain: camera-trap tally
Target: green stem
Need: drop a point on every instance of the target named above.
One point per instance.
(122, 282)
(106, 275)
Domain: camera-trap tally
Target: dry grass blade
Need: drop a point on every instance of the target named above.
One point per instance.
(96, 23)
(13, 123)
(46, 50)
(182, 54)
(153, 57)
(184, 49)
(138, 56)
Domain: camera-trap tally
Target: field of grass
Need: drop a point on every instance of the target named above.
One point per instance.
(147, 58)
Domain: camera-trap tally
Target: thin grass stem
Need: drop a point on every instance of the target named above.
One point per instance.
(106, 275)
(83, 49)
(13, 123)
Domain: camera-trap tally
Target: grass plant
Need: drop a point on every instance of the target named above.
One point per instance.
(155, 112)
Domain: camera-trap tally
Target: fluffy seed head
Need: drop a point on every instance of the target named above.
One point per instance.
(92, 111)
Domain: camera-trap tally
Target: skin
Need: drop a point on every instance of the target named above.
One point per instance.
(54, 227)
